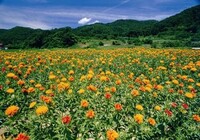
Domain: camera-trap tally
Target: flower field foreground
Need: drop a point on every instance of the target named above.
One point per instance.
(120, 94)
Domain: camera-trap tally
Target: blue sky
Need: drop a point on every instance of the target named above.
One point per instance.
(48, 14)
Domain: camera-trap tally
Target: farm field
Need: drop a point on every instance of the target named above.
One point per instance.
(87, 94)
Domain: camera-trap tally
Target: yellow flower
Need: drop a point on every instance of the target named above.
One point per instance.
(103, 78)
(83, 77)
(191, 80)
(190, 87)
(139, 118)
(108, 72)
(106, 89)
(49, 91)
(158, 108)
(32, 81)
(41, 110)
(63, 86)
(10, 90)
(52, 76)
(175, 82)
(152, 121)
(10, 75)
(11, 110)
(71, 72)
(38, 85)
(32, 104)
(189, 95)
(139, 107)
(193, 69)
(64, 79)
(81, 91)
(198, 84)
(89, 76)
(159, 87)
(70, 91)
(112, 134)
(147, 89)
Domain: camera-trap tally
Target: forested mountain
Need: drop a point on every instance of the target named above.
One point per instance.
(21, 37)
(119, 28)
(181, 26)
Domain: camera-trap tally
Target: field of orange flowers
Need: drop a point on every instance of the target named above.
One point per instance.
(124, 94)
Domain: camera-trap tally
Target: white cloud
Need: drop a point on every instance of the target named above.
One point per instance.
(96, 21)
(84, 20)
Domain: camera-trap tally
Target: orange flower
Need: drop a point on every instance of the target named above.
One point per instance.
(113, 89)
(11, 110)
(118, 82)
(46, 99)
(71, 78)
(135, 92)
(66, 119)
(152, 121)
(30, 89)
(20, 82)
(41, 110)
(118, 106)
(139, 118)
(84, 103)
(112, 134)
(92, 88)
(108, 95)
(196, 118)
(90, 114)
(22, 136)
